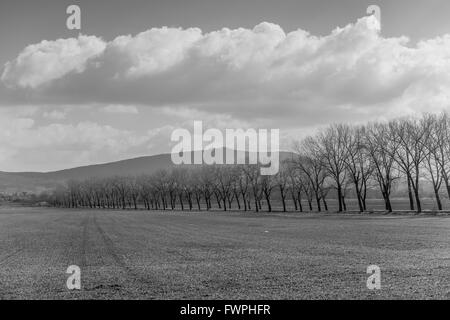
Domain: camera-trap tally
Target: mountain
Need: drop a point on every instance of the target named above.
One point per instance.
(11, 182)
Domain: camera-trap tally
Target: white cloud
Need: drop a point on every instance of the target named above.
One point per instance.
(153, 51)
(119, 108)
(263, 73)
(39, 64)
(260, 77)
(26, 144)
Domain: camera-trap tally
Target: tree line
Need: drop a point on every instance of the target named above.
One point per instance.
(337, 162)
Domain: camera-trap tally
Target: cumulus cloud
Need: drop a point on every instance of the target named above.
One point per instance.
(251, 73)
(39, 64)
(247, 72)
(153, 51)
(259, 77)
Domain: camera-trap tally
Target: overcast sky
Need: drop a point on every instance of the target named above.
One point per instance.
(139, 69)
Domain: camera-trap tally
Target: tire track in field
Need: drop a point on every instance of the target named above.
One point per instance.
(84, 240)
(142, 282)
(110, 247)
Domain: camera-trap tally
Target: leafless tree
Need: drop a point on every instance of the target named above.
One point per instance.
(359, 166)
(377, 138)
(334, 153)
(410, 137)
(268, 183)
(311, 165)
(282, 180)
(254, 177)
(434, 162)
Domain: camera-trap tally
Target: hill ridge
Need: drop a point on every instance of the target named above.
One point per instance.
(30, 181)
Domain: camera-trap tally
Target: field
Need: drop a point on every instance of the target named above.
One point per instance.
(198, 255)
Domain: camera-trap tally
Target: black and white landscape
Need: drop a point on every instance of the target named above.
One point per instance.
(119, 179)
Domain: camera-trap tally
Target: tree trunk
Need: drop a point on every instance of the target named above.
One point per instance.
(324, 203)
(358, 195)
(295, 202)
(339, 191)
(269, 206)
(299, 199)
(236, 195)
(410, 194)
(319, 209)
(181, 202)
(245, 201)
(447, 186)
(198, 203)
(438, 198)
(364, 197)
(344, 205)
(218, 201)
(416, 192)
(283, 199)
(419, 206)
(387, 201)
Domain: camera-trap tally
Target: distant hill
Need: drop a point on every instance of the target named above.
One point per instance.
(11, 182)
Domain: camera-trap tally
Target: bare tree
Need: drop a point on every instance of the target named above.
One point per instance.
(410, 137)
(359, 166)
(377, 138)
(254, 177)
(434, 162)
(443, 136)
(243, 185)
(295, 185)
(311, 166)
(134, 190)
(224, 181)
(282, 180)
(331, 142)
(268, 183)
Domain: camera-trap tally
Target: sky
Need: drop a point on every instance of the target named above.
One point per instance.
(137, 70)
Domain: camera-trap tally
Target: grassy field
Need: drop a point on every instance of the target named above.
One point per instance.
(199, 255)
